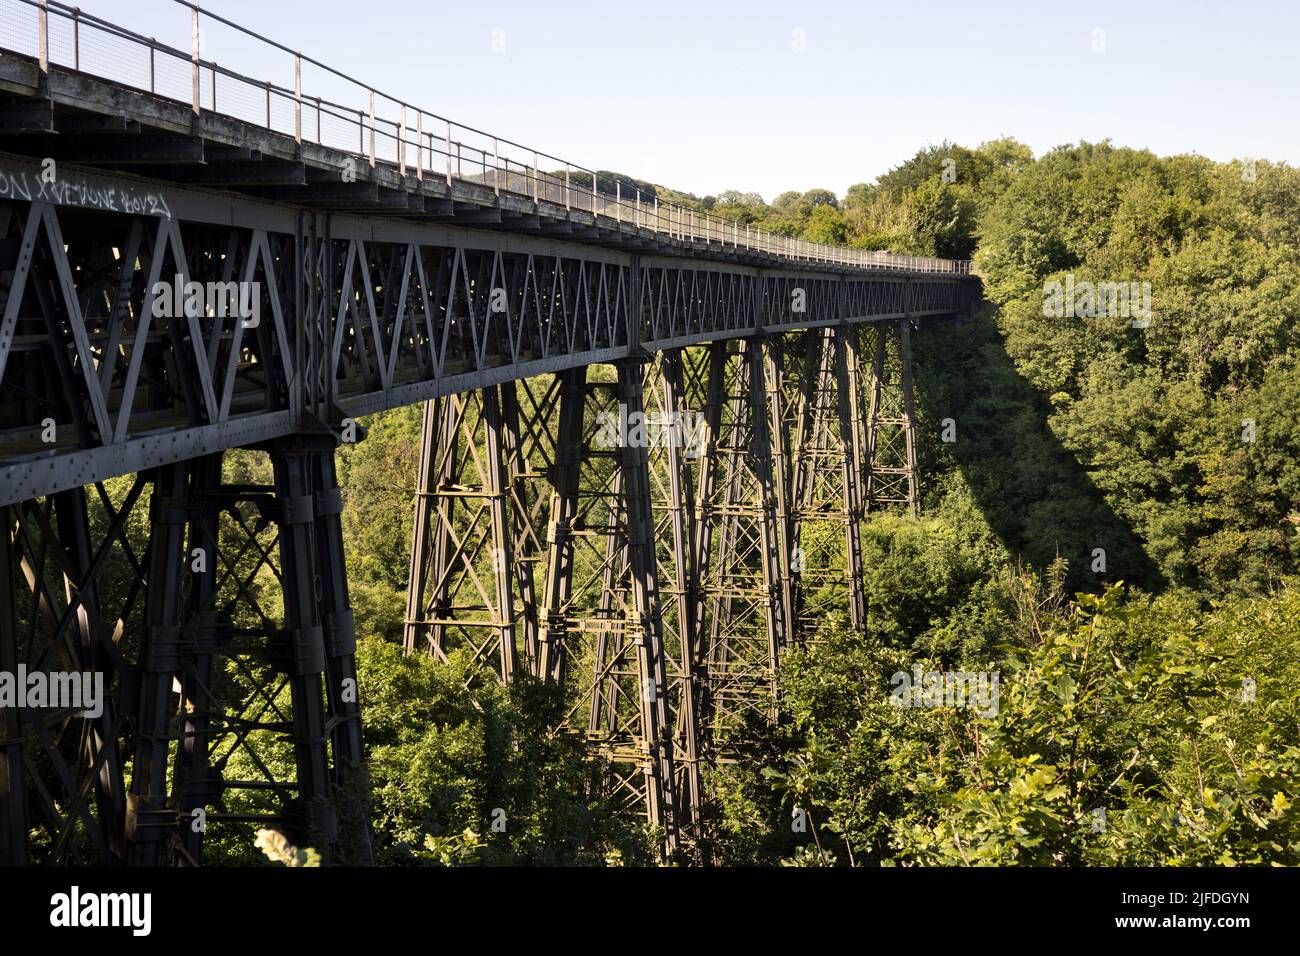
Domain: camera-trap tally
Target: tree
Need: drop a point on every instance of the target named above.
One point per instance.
(826, 224)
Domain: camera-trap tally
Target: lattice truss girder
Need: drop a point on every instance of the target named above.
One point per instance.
(351, 314)
(792, 299)
(409, 311)
(87, 345)
(680, 302)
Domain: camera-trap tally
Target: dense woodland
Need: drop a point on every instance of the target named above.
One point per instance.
(1150, 711)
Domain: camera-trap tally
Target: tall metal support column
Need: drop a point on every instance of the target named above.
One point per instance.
(891, 421)
(848, 408)
(647, 625)
(311, 813)
(772, 451)
(423, 533)
(560, 546)
(81, 591)
(744, 566)
(909, 411)
(150, 817)
(825, 472)
(462, 564)
(421, 537)
(62, 767)
(712, 520)
(196, 784)
(179, 640)
(672, 460)
(526, 411)
(602, 633)
(525, 546)
(802, 392)
(349, 780)
(603, 705)
(250, 676)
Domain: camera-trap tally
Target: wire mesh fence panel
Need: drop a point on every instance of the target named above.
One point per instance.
(19, 29)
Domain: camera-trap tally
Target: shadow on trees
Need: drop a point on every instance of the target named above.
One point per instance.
(1036, 495)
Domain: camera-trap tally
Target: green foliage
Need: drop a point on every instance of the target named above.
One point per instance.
(278, 849)
(937, 585)
(928, 206)
(458, 849)
(931, 204)
(1124, 736)
(940, 219)
(826, 224)
(1009, 472)
(1159, 417)
(452, 755)
(378, 475)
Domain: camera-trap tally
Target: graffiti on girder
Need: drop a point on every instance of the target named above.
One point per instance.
(72, 189)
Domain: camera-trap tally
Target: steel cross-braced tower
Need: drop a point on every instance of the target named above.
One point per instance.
(826, 477)
(676, 387)
(463, 580)
(755, 460)
(744, 606)
(601, 630)
(891, 421)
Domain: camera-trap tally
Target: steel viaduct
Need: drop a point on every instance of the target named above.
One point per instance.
(396, 258)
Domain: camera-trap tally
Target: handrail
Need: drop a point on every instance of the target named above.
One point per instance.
(410, 142)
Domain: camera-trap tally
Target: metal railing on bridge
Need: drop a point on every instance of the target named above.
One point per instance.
(385, 129)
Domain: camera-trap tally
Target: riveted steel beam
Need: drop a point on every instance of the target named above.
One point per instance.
(358, 314)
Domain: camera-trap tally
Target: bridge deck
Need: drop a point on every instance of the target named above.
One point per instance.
(380, 284)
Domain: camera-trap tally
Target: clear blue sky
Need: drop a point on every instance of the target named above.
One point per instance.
(706, 96)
